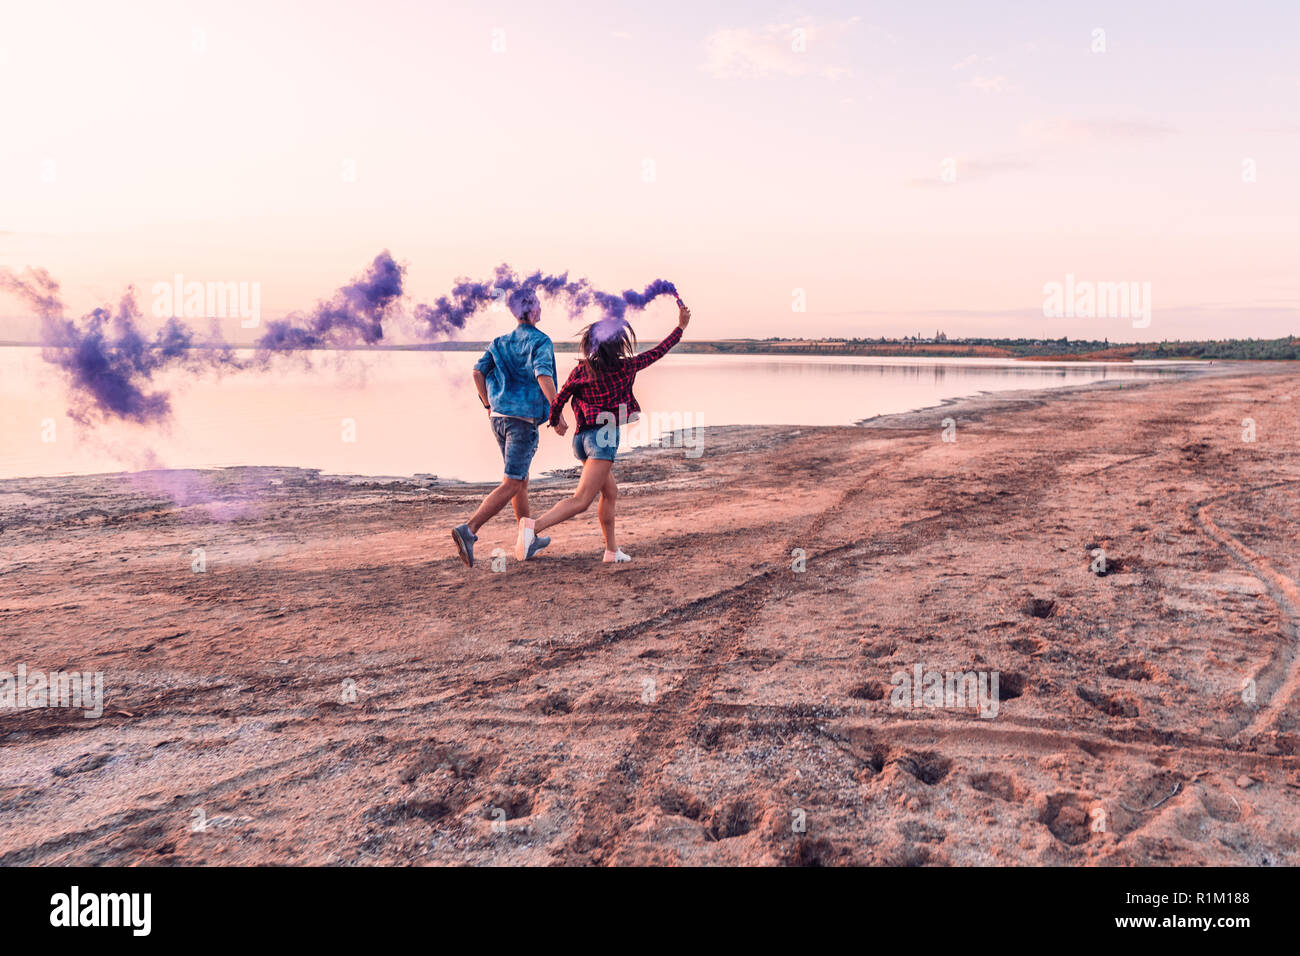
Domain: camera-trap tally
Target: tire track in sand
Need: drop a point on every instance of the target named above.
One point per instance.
(604, 813)
(1281, 588)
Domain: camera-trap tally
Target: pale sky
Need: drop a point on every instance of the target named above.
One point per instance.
(219, 140)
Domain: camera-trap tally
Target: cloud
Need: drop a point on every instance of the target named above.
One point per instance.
(989, 84)
(965, 62)
(787, 49)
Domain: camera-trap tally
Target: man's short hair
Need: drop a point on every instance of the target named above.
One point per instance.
(523, 302)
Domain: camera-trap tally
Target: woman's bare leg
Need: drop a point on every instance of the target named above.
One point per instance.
(594, 473)
(608, 495)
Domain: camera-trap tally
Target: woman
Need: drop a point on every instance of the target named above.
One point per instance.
(601, 389)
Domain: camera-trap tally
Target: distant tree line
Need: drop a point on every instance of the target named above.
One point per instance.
(1256, 349)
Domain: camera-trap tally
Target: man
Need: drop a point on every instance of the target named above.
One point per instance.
(515, 380)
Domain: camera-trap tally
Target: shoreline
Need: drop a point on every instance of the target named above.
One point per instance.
(564, 474)
(1104, 352)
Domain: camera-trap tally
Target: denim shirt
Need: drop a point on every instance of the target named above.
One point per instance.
(511, 365)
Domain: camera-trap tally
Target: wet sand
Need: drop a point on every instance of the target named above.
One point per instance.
(335, 687)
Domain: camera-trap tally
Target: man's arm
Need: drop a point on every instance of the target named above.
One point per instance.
(544, 369)
(547, 384)
(481, 368)
(557, 403)
(480, 383)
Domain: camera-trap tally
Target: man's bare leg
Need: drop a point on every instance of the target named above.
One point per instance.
(520, 501)
(494, 502)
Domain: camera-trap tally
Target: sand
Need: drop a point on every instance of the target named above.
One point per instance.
(335, 687)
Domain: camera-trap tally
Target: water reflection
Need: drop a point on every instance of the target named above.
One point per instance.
(416, 412)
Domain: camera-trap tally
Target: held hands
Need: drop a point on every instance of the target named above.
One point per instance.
(683, 316)
(561, 426)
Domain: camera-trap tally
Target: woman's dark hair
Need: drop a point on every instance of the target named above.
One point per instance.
(604, 354)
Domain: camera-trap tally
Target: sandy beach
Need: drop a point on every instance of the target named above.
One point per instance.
(335, 687)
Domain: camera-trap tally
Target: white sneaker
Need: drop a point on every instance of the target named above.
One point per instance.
(616, 557)
(526, 535)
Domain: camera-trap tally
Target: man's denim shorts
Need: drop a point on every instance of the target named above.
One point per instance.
(518, 441)
(598, 441)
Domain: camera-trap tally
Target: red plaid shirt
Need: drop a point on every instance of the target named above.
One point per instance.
(594, 393)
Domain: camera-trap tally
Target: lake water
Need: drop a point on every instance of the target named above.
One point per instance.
(417, 412)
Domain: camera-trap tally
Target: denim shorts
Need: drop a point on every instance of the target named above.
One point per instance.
(592, 443)
(518, 441)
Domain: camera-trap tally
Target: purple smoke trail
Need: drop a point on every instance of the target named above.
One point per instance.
(520, 294)
(36, 287)
(468, 297)
(110, 364)
(356, 313)
(615, 308)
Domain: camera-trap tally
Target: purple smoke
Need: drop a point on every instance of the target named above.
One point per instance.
(110, 364)
(615, 306)
(520, 292)
(356, 313)
(36, 287)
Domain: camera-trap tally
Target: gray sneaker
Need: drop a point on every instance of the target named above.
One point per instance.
(536, 545)
(464, 539)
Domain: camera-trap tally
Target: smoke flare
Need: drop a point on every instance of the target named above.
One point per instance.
(110, 365)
